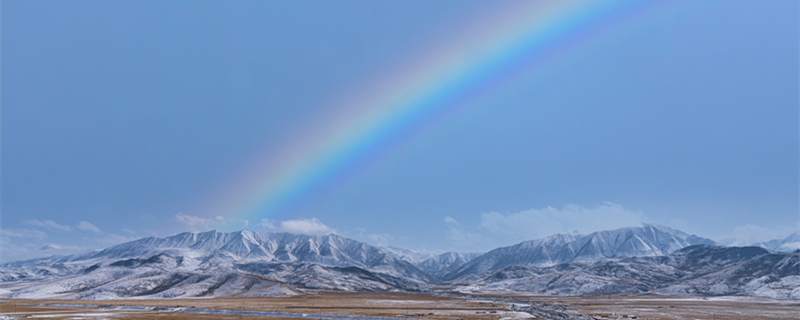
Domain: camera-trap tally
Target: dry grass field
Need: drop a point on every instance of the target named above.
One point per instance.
(419, 306)
(401, 305)
(649, 306)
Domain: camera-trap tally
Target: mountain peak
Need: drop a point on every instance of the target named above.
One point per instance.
(644, 240)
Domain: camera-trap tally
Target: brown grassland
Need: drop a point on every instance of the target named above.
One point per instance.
(420, 306)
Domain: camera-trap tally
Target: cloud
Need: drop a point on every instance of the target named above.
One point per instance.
(61, 248)
(113, 239)
(86, 225)
(498, 229)
(306, 226)
(380, 239)
(791, 246)
(12, 252)
(50, 246)
(267, 224)
(23, 233)
(106, 238)
(752, 234)
(463, 238)
(194, 222)
(459, 236)
(535, 223)
(49, 224)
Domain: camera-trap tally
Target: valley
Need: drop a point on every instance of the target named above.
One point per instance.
(396, 305)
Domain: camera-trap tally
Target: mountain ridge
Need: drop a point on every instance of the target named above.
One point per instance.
(694, 270)
(249, 263)
(647, 240)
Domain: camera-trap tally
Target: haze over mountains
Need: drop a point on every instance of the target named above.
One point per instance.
(648, 258)
(789, 243)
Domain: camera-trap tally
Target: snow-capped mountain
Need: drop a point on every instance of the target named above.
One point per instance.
(223, 250)
(647, 240)
(192, 264)
(787, 244)
(412, 256)
(435, 265)
(699, 269)
(443, 264)
(246, 263)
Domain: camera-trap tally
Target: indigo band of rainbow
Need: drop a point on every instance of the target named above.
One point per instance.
(365, 122)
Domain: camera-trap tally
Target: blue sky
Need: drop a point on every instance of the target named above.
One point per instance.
(122, 119)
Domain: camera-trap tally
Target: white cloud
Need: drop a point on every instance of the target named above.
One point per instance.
(463, 238)
(194, 222)
(61, 248)
(535, 223)
(49, 224)
(12, 252)
(306, 226)
(499, 229)
(23, 233)
(86, 225)
(50, 246)
(380, 239)
(110, 239)
(459, 236)
(267, 224)
(129, 231)
(791, 246)
(752, 234)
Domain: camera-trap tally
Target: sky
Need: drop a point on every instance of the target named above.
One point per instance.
(429, 125)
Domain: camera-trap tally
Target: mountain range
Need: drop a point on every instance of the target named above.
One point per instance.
(648, 258)
(789, 243)
(694, 270)
(647, 240)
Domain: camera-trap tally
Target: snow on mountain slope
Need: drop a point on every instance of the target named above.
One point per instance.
(412, 256)
(787, 244)
(736, 270)
(198, 249)
(245, 263)
(440, 265)
(647, 240)
(191, 264)
(435, 265)
(699, 269)
(116, 283)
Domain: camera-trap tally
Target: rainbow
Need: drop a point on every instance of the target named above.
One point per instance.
(473, 61)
